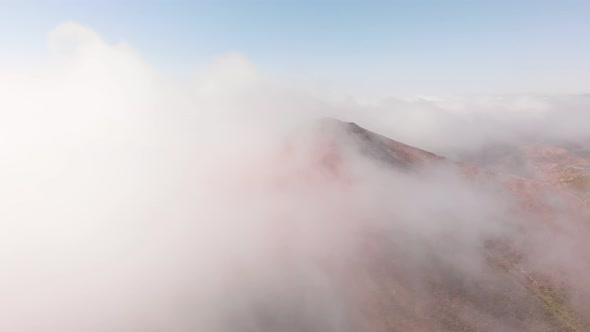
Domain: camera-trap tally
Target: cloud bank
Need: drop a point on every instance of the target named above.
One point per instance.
(132, 201)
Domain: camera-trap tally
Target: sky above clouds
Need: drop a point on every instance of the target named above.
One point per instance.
(431, 47)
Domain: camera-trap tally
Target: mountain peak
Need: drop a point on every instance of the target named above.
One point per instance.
(381, 148)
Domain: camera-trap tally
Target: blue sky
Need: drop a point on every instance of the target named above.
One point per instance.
(451, 46)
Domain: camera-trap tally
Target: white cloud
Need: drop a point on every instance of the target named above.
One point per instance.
(132, 201)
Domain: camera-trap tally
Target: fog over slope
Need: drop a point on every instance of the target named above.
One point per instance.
(133, 201)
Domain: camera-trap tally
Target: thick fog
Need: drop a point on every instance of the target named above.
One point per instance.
(136, 201)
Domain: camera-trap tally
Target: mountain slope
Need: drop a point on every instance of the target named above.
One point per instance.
(418, 281)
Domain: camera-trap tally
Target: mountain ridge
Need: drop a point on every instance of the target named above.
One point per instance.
(540, 305)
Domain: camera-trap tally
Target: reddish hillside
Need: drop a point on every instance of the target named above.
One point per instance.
(406, 283)
(563, 165)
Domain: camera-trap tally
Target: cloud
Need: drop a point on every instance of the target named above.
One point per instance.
(450, 124)
(132, 201)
